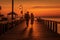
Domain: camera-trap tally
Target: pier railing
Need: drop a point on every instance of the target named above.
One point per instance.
(7, 25)
(50, 24)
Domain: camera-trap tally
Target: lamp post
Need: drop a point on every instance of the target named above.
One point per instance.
(0, 12)
(12, 8)
(0, 9)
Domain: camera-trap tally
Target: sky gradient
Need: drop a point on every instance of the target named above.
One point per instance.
(38, 7)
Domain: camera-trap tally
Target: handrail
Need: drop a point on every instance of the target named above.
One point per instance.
(50, 24)
(7, 25)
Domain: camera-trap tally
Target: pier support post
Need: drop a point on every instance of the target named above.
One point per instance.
(56, 27)
(50, 25)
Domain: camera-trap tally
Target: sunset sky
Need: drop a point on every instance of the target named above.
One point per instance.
(38, 7)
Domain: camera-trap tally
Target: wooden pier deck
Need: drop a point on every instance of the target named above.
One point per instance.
(36, 32)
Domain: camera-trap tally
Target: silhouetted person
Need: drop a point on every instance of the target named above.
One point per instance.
(27, 17)
(32, 19)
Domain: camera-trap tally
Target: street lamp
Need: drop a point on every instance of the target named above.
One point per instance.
(0, 9)
(12, 8)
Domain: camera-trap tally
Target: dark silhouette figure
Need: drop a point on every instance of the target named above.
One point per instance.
(27, 17)
(30, 32)
(32, 19)
(0, 7)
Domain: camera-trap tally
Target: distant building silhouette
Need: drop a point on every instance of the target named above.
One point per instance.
(1, 17)
(10, 15)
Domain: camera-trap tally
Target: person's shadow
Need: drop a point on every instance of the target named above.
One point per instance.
(30, 33)
(23, 31)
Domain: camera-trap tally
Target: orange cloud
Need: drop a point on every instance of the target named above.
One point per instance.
(46, 7)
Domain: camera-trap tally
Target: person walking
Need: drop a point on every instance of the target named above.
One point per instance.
(32, 19)
(27, 17)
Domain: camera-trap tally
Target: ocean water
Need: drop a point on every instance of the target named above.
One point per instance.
(57, 20)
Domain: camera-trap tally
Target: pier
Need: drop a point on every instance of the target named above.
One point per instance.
(41, 30)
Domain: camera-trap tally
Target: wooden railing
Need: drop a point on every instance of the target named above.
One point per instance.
(51, 25)
(7, 25)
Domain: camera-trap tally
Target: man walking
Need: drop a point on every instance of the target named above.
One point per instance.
(27, 17)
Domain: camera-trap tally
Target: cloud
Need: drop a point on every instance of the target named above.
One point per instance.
(46, 7)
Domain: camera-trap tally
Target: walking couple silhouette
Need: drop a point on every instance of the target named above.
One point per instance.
(28, 17)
